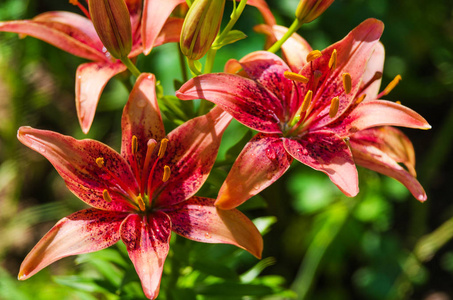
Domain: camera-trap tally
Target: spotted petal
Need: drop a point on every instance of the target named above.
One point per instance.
(141, 118)
(85, 231)
(91, 79)
(75, 161)
(247, 101)
(262, 161)
(374, 113)
(147, 240)
(373, 151)
(326, 152)
(68, 31)
(353, 53)
(191, 153)
(199, 220)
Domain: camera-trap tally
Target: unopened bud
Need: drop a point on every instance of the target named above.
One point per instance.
(200, 27)
(112, 22)
(308, 10)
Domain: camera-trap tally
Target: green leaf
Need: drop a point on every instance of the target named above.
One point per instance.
(233, 289)
(232, 37)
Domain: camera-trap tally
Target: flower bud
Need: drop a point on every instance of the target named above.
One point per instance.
(308, 10)
(200, 27)
(112, 22)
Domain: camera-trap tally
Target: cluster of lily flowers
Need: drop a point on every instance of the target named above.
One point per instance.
(322, 108)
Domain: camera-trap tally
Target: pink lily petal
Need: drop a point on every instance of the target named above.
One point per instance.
(294, 50)
(262, 161)
(147, 240)
(155, 14)
(267, 69)
(142, 119)
(373, 158)
(378, 113)
(374, 66)
(247, 101)
(68, 31)
(326, 152)
(262, 6)
(84, 231)
(353, 53)
(391, 141)
(75, 161)
(91, 79)
(191, 153)
(199, 220)
(171, 32)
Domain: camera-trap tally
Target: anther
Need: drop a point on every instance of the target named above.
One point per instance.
(360, 99)
(100, 162)
(295, 77)
(167, 173)
(333, 60)
(74, 2)
(106, 196)
(307, 101)
(334, 107)
(141, 203)
(347, 82)
(398, 102)
(134, 145)
(163, 147)
(391, 85)
(313, 55)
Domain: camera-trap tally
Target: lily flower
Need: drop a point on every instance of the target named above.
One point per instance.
(310, 115)
(76, 34)
(141, 195)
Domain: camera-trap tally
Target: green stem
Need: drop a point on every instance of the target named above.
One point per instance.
(209, 61)
(193, 67)
(293, 28)
(132, 68)
(233, 19)
(182, 63)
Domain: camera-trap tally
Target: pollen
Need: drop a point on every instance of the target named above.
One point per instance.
(295, 77)
(162, 148)
(313, 55)
(391, 85)
(334, 107)
(347, 82)
(360, 99)
(333, 60)
(106, 196)
(141, 203)
(167, 173)
(74, 2)
(134, 145)
(307, 101)
(100, 162)
(398, 102)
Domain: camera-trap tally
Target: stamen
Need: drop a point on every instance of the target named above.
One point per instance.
(347, 82)
(313, 55)
(134, 145)
(167, 173)
(141, 203)
(163, 147)
(295, 77)
(74, 2)
(100, 162)
(307, 101)
(398, 102)
(391, 85)
(82, 8)
(149, 150)
(106, 196)
(334, 107)
(360, 99)
(333, 60)
(317, 75)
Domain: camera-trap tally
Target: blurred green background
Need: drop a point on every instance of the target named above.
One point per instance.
(382, 244)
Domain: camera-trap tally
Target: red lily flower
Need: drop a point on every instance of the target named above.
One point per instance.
(309, 115)
(133, 195)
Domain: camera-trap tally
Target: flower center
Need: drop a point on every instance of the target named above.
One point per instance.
(143, 175)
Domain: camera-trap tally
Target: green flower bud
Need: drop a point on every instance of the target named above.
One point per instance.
(308, 10)
(200, 27)
(112, 22)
